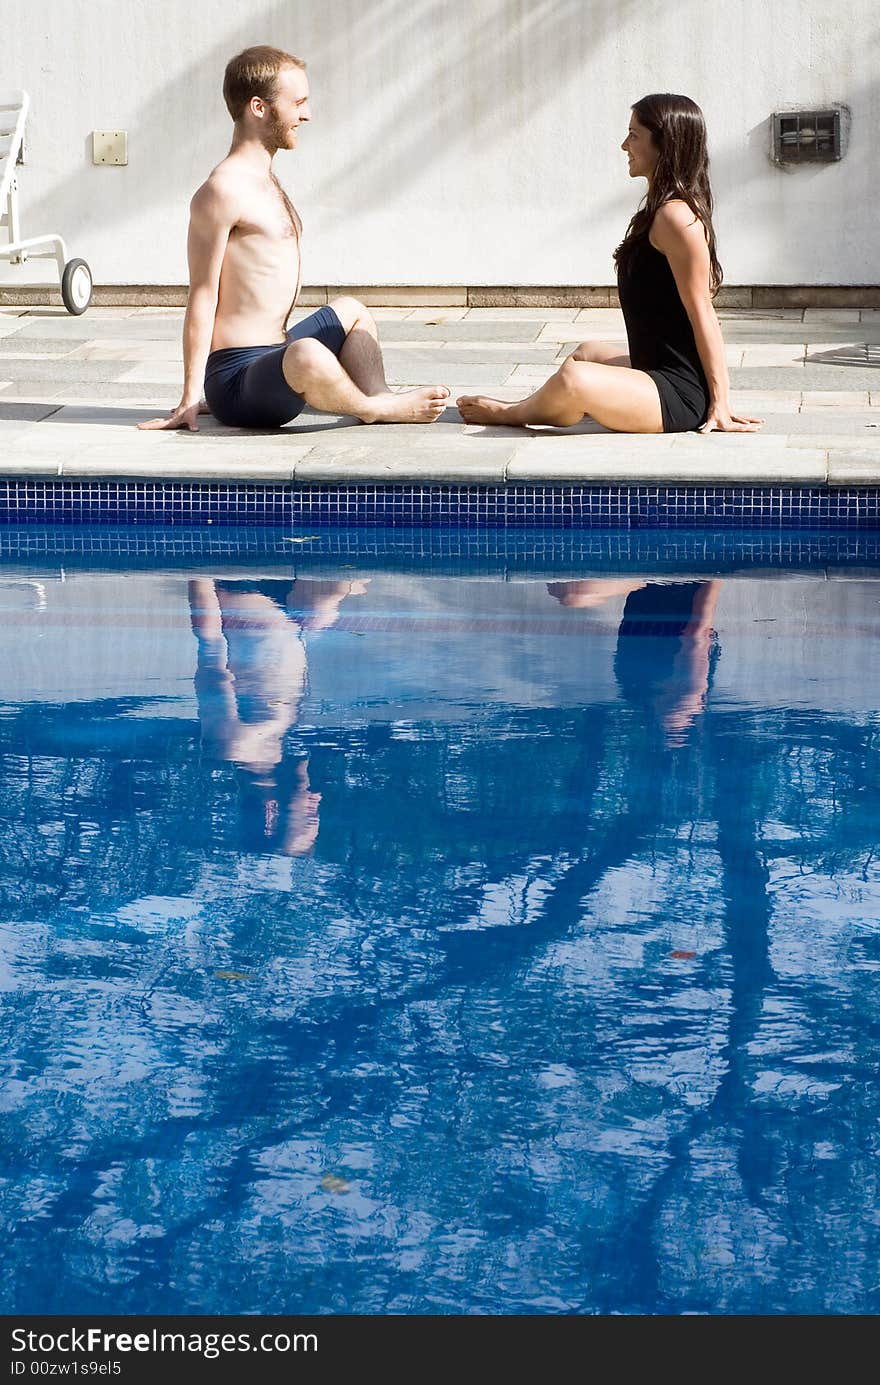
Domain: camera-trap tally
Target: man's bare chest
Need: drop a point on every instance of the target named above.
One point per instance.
(270, 216)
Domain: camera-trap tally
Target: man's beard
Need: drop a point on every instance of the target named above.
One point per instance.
(277, 132)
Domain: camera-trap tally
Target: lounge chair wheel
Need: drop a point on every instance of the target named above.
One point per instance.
(76, 286)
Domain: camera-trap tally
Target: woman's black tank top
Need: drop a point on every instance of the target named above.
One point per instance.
(661, 339)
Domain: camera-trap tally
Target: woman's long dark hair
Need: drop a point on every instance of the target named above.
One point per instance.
(679, 131)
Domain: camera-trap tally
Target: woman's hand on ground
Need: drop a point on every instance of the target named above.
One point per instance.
(721, 420)
(184, 416)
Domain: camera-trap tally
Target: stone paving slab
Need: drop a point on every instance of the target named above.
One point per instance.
(420, 314)
(824, 422)
(547, 463)
(754, 334)
(25, 347)
(130, 351)
(812, 334)
(486, 465)
(400, 436)
(85, 328)
(832, 314)
(61, 370)
(159, 396)
(531, 314)
(180, 464)
(852, 468)
(24, 410)
(469, 329)
(477, 379)
(769, 405)
(853, 355)
(121, 416)
(451, 354)
(866, 443)
(72, 390)
(836, 399)
(761, 314)
(808, 377)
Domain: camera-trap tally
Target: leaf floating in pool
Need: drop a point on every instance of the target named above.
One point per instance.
(683, 956)
(309, 538)
(233, 975)
(332, 1183)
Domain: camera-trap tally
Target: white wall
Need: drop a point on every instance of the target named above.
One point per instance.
(452, 141)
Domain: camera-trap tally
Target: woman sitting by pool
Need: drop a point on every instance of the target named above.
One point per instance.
(674, 378)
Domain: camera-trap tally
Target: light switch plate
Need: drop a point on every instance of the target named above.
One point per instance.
(109, 146)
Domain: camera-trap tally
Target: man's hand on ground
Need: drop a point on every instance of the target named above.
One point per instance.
(182, 417)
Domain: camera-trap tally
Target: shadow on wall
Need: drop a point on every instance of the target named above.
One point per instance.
(481, 85)
(738, 165)
(484, 80)
(387, 110)
(149, 123)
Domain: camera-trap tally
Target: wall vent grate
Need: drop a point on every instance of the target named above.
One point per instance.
(806, 136)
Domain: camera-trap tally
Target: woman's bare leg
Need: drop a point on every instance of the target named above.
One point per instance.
(616, 396)
(601, 353)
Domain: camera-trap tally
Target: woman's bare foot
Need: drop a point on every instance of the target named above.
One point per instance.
(412, 406)
(477, 408)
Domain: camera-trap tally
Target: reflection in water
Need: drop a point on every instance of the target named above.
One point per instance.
(250, 682)
(666, 648)
(569, 1007)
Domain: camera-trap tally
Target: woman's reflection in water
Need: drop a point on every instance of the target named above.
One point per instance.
(250, 681)
(666, 645)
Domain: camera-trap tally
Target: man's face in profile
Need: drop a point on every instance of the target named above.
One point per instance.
(288, 109)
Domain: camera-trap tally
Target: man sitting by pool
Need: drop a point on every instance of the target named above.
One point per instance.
(244, 254)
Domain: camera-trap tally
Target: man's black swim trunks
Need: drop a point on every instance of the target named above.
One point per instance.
(245, 385)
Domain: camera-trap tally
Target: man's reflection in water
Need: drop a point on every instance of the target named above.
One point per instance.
(666, 645)
(250, 680)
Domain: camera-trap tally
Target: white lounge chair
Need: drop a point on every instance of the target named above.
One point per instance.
(75, 275)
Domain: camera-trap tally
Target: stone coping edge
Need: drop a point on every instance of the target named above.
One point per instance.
(795, 467)
(754, 296)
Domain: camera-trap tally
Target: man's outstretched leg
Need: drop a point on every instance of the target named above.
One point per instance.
(355, 384)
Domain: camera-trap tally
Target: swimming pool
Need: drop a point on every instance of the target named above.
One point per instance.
(437, 924)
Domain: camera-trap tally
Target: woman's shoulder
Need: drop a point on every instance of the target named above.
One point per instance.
(673, 219)
(674, 212)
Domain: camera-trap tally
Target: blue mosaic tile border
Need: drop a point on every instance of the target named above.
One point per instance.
(440, 548)
(508, 507)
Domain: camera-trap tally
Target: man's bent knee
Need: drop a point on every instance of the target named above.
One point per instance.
(351, 312)
(302, 361)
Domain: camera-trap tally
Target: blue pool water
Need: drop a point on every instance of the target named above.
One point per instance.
(387, 932)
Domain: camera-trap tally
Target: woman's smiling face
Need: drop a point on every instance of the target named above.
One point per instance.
(640, 149)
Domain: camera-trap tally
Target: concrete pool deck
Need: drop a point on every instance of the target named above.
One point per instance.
(73, 388)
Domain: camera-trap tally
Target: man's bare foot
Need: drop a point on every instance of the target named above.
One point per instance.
(413, 406)
(477, 408)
